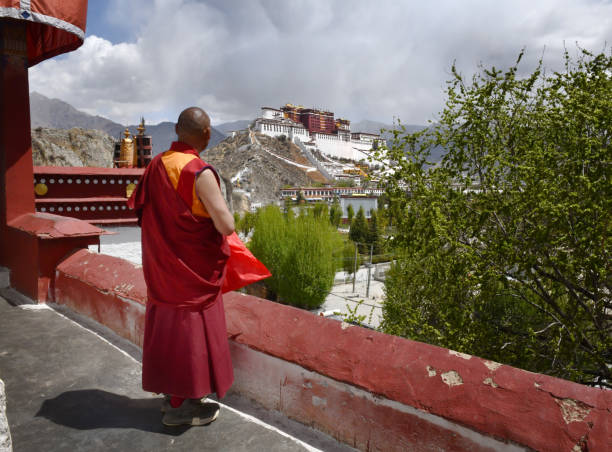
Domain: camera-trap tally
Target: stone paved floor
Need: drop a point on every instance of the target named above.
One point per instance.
(68, 389)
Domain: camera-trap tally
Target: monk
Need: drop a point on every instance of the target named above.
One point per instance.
(184, 221)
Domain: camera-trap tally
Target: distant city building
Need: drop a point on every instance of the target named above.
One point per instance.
(317, 129)
(329, 194)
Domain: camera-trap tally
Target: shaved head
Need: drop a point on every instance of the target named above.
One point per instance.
(193, 119)
(193, 127)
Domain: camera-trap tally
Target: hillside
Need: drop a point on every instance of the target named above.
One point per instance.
(259, 171)
(73, 147)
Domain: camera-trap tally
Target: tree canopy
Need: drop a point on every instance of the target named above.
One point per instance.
(335, 215)
(350, 213)
(504, 244)
(358, 231)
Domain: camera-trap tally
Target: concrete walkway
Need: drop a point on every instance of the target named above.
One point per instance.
(67, 388)
(352, 301)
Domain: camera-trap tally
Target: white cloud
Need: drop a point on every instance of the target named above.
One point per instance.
(360, 58)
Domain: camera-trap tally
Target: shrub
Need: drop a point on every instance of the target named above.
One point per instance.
(299, 254)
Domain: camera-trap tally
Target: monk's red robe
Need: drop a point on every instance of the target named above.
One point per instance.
(185, 349)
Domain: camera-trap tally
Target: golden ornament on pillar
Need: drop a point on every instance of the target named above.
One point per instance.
(126, 158)
(129, 189)
(41, 189)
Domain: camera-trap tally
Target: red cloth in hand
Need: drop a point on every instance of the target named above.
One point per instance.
(242, 267)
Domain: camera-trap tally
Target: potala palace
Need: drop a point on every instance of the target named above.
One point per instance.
(316, 129)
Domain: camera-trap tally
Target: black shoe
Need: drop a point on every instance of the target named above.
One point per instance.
(191, 412)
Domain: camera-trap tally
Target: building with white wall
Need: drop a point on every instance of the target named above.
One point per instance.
(317, 129)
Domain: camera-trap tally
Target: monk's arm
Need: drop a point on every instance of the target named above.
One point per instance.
(209, 193)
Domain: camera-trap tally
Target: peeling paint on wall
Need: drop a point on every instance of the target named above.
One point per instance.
(492, 365)
(431, 371)
(489, 381)
(452, 378)
(459, 354)
(573, 410)
(318, 401)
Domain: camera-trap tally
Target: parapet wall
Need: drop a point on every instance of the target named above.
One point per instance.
(368, 389)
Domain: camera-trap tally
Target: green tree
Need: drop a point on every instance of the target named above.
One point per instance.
(300, 198)
(348, 258)
(350, 213)
(346, 183)
(335, 215)
(374, 236)
(359, 231)
(504, 245)
(287, 205)
(320, 210)
(384, 213)
(299, 254)
(247, 222)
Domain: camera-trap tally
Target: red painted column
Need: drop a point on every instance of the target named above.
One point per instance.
(17, 250)
(31, 244)
(15, 139)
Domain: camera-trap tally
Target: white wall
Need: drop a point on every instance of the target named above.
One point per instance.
(271, 113)
(368, 205)
(327, 144)
(341, 149)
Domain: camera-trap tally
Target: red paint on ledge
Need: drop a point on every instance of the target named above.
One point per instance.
(107, 289)
(510, 404)
(499, 400)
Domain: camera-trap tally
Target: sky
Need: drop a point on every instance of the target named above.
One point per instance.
(362, 59)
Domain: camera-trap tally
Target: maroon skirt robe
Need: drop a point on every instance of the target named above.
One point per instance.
(185, 349)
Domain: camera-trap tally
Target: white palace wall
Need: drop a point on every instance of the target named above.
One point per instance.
(328, 144)
(334, 147)
(276, 130)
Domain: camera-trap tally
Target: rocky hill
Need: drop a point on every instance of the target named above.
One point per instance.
(257, 170)
(73, 147)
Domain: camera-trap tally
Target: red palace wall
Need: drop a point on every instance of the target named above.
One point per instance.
(373, 391)
(317, 122)
(314, 120)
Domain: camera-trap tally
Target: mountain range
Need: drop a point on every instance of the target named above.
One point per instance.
(55, 113)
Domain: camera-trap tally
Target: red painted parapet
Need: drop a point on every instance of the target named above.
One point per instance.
(532, 410)
(106, 289)
(368, 389)
(36, 242)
